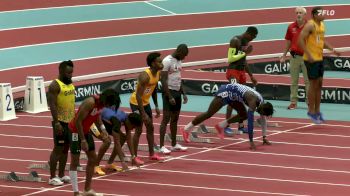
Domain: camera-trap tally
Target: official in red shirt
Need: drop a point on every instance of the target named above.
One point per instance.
(296, 60)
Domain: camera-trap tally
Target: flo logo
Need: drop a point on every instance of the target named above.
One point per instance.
(326, 12)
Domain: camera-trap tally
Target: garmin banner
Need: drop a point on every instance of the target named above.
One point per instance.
(337, 63)
(205, 88)
(276, 67)
(269, 92)
(83, 91)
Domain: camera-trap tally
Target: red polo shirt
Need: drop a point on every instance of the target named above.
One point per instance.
(292, 35)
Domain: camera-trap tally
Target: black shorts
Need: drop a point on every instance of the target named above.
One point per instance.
(61, 140)
(75, 142)
(147, 109)
(178, 99)
(314, 70)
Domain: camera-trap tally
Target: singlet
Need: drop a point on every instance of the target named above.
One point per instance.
(90, 119)
(65, 102)
(315, 41)
(149, 88)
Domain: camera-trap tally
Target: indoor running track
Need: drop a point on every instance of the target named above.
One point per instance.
(305, 159)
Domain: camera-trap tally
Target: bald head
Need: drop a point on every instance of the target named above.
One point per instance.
(301, 13)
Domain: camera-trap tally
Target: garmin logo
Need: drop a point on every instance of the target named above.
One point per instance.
(87, 91)
(277, 68)
(335, 95)
(210, 88)
(128, 85)
(342, 63)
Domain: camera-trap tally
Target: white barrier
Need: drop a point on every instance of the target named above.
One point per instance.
(7, 109)
(35, 95)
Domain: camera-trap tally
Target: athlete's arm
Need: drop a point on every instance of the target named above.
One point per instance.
(164, 78)
(104, 134)
(330, 47)
(231, 53)
(251, 101)
(247, 69)
(54, 90)
(116, 125)
(185, 99)
(308, 28)
(143, 80)
(155, 97)
(155, 101)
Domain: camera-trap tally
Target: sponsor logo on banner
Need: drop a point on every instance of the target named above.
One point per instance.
(342, 63)
(210, 88)
(336, 95)
(127, 86)
(88, 90)
(276, 67)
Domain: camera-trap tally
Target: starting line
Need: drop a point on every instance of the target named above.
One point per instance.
(31, 177)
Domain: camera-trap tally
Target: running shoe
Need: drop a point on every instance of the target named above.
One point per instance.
(178, 148)
(164, 150)
(99, 171)
(55, 181)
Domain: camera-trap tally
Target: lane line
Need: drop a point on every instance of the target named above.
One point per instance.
(170, 12)
(71, 6)
(286, 155)
(171, 31)
(248, 177)
(139, 52)
(200, 187)
(41, 188)
(312, 145)
(266, 165)
(164, 15)
(291, 121)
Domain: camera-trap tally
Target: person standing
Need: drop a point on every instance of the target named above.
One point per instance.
(61, 99)
(140, 102)
(238, 67)
(172, 96)
(296, 60)
(312, 42)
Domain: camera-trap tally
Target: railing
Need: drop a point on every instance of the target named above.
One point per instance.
(188, 64)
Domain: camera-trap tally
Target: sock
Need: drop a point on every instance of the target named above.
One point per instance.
(74, 180)
(223, 124)
(189, 126)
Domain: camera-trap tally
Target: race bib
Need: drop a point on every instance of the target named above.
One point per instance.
(75, 137)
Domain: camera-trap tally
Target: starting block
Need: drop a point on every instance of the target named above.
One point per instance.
(46, 166)
(203, 129)
(142, 148)
(31, 177)
(7, 109)
(35, 95)
(107, 156)
(193, 137)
